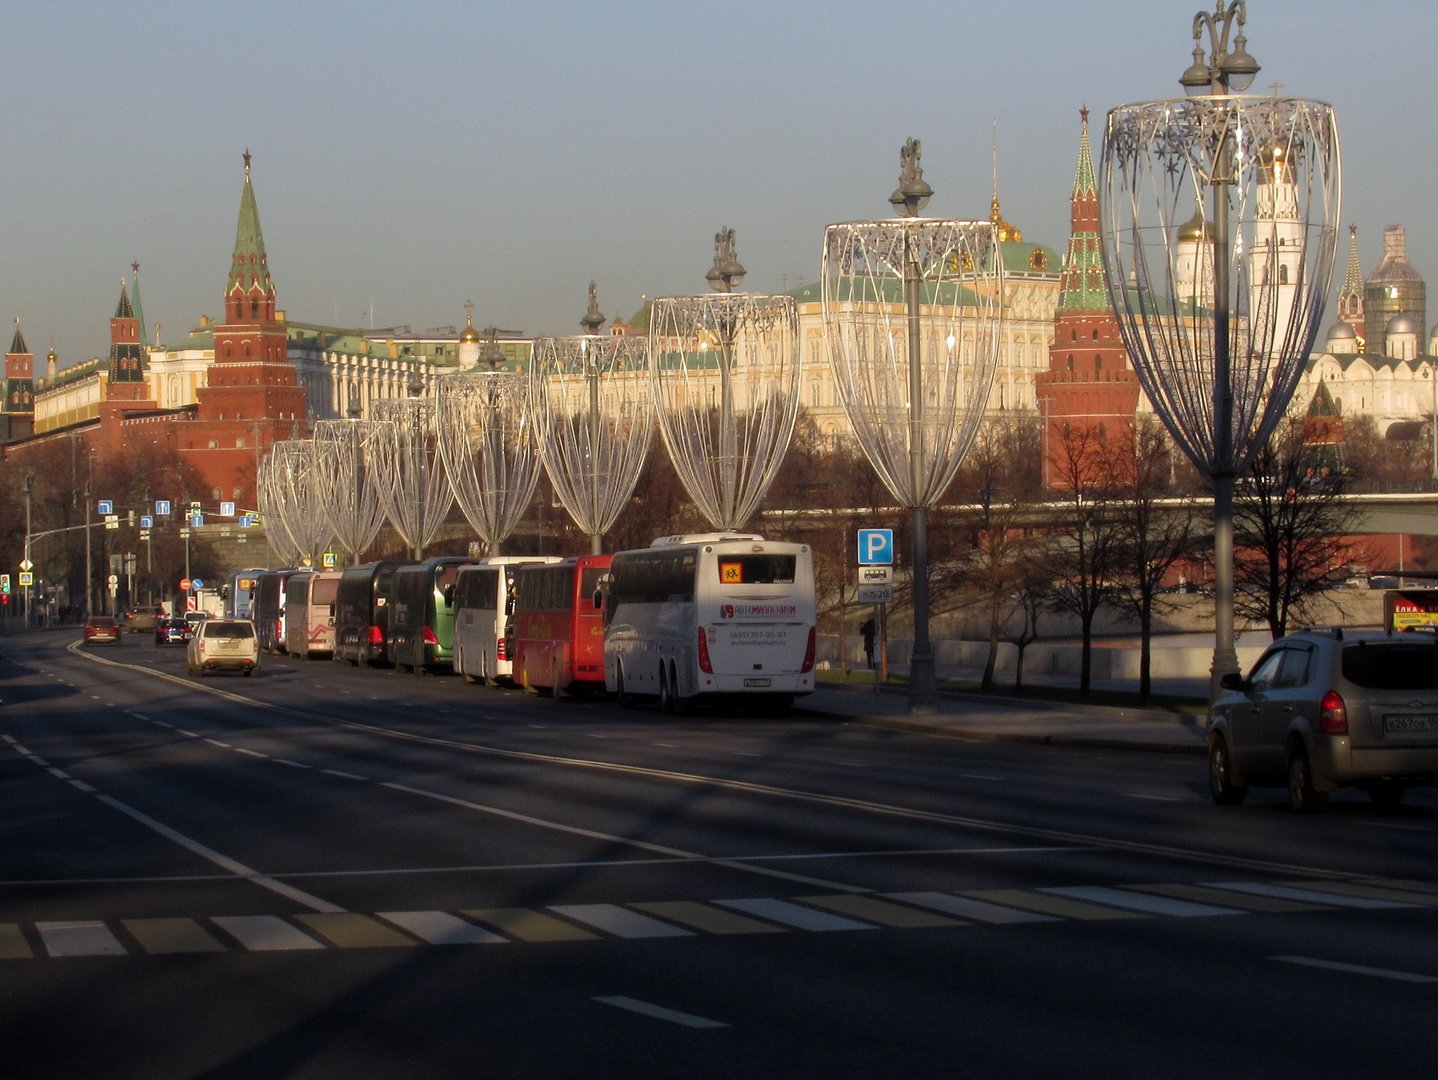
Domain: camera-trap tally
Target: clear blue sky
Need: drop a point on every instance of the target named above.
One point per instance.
(410, 157)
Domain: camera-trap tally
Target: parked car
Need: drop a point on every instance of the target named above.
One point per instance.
(102, 629)
(172, 631)
(223, 645)
(1324, 709)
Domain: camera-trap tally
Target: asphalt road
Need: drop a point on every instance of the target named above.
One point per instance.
(328, 872)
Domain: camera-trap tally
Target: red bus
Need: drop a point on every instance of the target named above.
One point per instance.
(558, 629)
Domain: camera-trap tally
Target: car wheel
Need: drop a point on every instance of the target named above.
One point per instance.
(1303, 797)
(1220, 779)
(1388, 794)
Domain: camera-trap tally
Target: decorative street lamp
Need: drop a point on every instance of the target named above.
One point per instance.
(1218, 322)
(724, 375)
(912, 310)
(591, 397)
(488, 445)
(295, 496)
(414, 488)
(347, 482)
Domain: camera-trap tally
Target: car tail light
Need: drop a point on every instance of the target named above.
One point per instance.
(809, 653)
(429, 638)
(502, 649)
(1332, 714)
(704, 663)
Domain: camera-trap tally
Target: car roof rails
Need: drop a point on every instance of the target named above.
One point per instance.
(1335, 632)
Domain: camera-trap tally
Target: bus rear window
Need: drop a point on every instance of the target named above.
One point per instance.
(756, 569)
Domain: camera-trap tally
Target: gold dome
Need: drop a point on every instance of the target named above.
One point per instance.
(469, 334)
(1194, 230)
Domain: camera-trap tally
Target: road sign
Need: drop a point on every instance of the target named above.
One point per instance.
(876, 547)
(197, 519)
(876, 594)
(113, 579)
(146, 521)
(107, 506)
(876, 575)
(26, 578)
(227, 509)
(162, 507)
(26, 564)
(186, 584)
(196, 583)
(329, 560)
(112, 521)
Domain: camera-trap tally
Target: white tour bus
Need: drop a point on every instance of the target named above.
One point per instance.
(310, 612)
(710, 614)
(484, 617)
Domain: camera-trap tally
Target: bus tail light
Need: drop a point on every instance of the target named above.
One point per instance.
(704, 664)
(429, 638)
(809, 653)
(376, 636)
(501, 650)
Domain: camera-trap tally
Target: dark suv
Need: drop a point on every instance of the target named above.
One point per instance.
(1324, 709)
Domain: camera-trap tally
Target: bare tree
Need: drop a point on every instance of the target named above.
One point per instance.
(1291, 528)
(1155, 532)
(1082, 559)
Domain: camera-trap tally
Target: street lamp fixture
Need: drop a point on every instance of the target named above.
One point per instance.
(1219, 329)
(914, 377)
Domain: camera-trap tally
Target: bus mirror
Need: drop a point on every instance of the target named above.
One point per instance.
(598, 598)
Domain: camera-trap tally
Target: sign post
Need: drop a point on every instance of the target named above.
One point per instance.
(876, 561)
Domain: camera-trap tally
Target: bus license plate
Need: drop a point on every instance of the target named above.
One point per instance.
(755, 683)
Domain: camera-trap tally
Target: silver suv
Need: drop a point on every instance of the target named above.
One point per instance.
(1324, 709)
(223, 645)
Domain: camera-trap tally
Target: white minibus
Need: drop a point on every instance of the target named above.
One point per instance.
(310, 612)
(484, 617)
(698, 616)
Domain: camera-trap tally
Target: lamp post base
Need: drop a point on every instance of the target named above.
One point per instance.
(923, 685)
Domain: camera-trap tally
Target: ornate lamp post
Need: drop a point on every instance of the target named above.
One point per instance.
(488, 445)
(724, 374)
(414, 489)
(347, 484)
(1219, 327)
(912, 309)
(591, 397)
(294, 496)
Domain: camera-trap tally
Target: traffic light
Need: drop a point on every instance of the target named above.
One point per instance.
(4, 599)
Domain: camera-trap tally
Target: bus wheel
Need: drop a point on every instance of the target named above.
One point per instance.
(677, 704)
(666, 693)
(524, 680)
(625, 699)
(556, 691)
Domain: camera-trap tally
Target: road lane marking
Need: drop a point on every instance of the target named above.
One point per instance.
(707, 919)
(1148, 904)
(1200, 894)
(251, 753)
(13, 945)
(442, 928)
(164, 937)
(1371, 892)
(83, 938)
(266, 933)
(1356, 969)
(1153, 798)
(351, 930)
(883, 912)
(659, 1013)
(1289, 892)
(529, 925)
(619, 921)
(968, 908)
(235, 867)
(790, 914)
(1061, 906)
(343, 775)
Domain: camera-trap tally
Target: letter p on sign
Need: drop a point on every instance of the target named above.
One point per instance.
(876, 547)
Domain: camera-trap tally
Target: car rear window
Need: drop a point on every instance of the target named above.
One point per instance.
(229, 630)
(1392, 665)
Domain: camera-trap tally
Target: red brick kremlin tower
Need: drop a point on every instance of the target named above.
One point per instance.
(1089, 385)
(17, 411)
(253, 397)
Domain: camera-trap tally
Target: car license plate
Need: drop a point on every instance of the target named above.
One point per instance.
(1405, 724)
(755, 683)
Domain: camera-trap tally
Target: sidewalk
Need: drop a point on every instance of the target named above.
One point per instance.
(988, 719)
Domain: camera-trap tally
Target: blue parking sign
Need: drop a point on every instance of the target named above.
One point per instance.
(876, 547)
